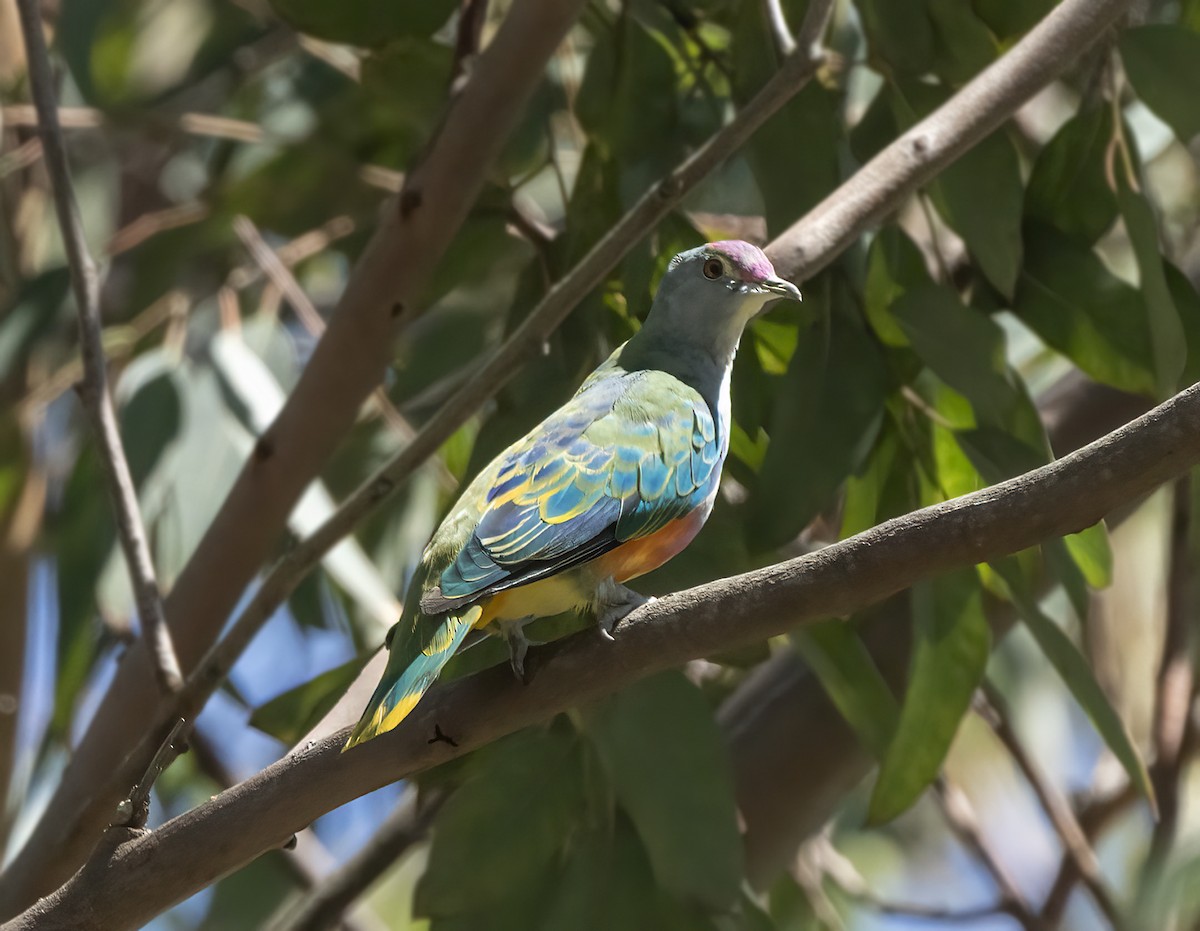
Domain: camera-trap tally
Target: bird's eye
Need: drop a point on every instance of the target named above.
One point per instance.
(714, 269)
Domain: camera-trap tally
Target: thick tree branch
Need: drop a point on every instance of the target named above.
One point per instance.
(93, 389)
(189, 852)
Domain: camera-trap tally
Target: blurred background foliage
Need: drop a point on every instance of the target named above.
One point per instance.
(1060, 251)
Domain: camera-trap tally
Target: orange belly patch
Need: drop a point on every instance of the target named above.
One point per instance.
(637, 557)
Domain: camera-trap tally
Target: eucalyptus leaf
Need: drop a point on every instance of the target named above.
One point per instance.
(1068, 188)
(1077, 675)
(1163, 64)
(949, 659)
(667, 763)
(498, 833)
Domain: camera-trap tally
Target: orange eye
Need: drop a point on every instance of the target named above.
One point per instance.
(714, 269)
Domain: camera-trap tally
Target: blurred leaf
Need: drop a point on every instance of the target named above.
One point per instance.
(963, 46)
(404, 89)
(365, 22)
(980, 195)
(1077, 675)
(150, 408)
(499, 831)
(949, 658)
(246, 899)
(894, 266)
(1167, 340)
(807, 123)
(82, 535)
(38, 307)
(850, 678)
(260, 398)
(1092, 554)
(1068, 297)
(292, 714)
(668, 766)
(1010, 18)
(1163, 64)
(1068, 188)
(823, 424)
(899, 32)
(862, 503)
(1187, 305)
(962, 346)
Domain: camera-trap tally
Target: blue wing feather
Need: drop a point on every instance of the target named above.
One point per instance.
(631, 452)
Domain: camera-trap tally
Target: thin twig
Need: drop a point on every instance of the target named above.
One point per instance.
(960, 816)
(472, 14)
(780, 32)
(134, 810)
(93, 389)
(828, 863)
(1094, 817)
(990, 706)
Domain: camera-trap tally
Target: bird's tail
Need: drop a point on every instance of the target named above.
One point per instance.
(417, 653)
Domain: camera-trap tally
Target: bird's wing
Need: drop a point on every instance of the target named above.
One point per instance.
(629, 453)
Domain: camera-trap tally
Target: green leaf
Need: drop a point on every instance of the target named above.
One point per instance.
(1187, 305)
(1077, 675)
(1010, 18)
(980, 195)
(807, 123)
(964, 347)
(899, 32)
(1068, 188)
(667, 762)
(1167, 339)
(847, 672)
(499, 831)
(823, 425)
(292, 714)
(1092, 554)
(365, 22)
(1074, 303)
(1163, 64)
(949, 658)
(963, 46)
(894, 265)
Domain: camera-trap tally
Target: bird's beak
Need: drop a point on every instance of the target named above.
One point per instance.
(783, 288)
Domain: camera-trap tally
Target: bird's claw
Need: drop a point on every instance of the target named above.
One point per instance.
(518, 646)
(613, 602)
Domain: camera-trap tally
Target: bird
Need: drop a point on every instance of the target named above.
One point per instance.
(610, 486)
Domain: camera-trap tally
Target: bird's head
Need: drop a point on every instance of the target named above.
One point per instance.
(710, 293)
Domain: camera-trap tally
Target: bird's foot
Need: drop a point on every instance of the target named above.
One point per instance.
(613, 602)
(518, 645)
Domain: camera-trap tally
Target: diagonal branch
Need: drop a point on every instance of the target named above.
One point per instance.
(93, 389)
(221, 835)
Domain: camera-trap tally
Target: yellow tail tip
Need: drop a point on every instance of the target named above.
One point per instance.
(381, 719)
